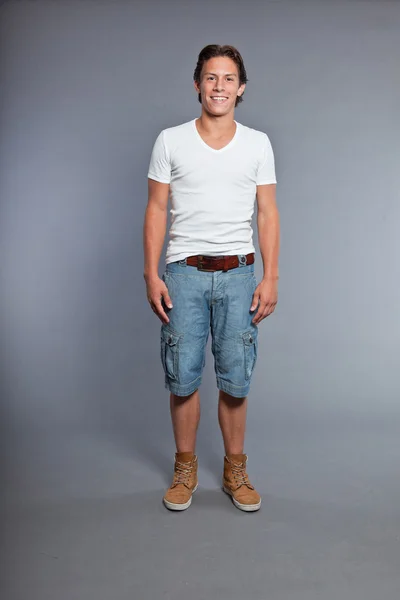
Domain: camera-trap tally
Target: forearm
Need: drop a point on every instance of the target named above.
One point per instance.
(269, 241)
(154, 229)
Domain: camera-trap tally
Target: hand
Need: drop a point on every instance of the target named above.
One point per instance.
(157, 291)
(266, 294)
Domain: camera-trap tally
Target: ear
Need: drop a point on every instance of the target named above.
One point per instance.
(196, 87)
(241, 89)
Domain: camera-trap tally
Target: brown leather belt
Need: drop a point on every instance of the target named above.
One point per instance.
(217, 263)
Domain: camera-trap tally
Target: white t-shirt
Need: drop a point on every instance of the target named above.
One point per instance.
(212, 191)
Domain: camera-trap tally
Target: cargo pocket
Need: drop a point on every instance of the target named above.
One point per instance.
(170, 353)
(250, 351)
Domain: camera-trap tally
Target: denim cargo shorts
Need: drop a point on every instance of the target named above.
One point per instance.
(205, 301)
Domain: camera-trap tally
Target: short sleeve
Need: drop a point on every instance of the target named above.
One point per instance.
(160, 166)
(266, 172)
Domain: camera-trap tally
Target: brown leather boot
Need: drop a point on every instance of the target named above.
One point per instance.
(236, 483)
(179, 495)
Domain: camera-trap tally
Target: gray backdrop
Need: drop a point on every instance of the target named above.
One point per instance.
(86, 87)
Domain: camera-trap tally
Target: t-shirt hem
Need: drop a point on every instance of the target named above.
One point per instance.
(182, 255)
(266, 182)
(157, 178)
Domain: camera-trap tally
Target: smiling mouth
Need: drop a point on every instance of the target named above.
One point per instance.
(219, 98)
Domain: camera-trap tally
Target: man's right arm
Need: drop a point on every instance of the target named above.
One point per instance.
(154, 230)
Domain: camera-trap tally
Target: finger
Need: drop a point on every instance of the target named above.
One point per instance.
(263, 316)
(270, 309)
(160, 312)
(259, 314)
(167, 299)
(267, 311)
(254, 304)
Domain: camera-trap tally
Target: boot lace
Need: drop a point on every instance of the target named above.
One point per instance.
(240, 476)
(182, 473)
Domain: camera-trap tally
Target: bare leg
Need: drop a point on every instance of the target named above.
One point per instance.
(185, 414)
(232, 420)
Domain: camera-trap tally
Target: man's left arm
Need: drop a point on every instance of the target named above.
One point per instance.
(266, 293)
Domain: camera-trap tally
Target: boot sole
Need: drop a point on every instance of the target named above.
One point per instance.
(245, 507)
(172, 506)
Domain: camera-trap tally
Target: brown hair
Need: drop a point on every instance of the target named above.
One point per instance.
(213, 50)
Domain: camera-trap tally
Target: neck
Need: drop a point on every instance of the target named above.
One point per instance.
(217, 124)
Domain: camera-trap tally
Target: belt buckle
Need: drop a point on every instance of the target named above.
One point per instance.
(200, 264)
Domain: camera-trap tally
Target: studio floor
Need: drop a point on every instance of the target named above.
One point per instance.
(328, 529)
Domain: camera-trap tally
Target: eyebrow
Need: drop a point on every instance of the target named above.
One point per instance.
(226, 74)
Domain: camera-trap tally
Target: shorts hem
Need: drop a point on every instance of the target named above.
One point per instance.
(237, 391)
(182, 390)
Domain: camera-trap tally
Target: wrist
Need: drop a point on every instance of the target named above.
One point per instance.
(150, 275)
(270, 277)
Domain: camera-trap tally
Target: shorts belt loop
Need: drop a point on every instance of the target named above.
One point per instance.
(226, 267)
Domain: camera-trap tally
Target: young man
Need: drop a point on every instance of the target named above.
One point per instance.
(214, 169)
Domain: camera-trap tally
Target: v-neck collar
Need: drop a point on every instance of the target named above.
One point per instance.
(217, 150)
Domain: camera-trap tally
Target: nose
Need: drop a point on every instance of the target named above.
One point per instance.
(219, 85)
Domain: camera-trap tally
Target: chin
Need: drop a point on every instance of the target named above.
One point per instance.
(218, 111)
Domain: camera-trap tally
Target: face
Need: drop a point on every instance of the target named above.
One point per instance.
(219, 85)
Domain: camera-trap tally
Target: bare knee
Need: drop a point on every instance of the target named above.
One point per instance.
(231, 400)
